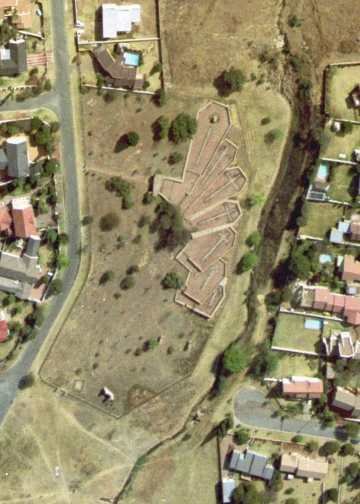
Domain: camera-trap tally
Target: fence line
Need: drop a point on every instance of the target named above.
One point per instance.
(121, 90)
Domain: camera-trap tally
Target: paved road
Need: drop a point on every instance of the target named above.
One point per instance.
(249, 409)
(60, 101)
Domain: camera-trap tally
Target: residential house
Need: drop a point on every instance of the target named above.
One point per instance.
(18, 13)
(342, 305)
(347, 402)
(119, 73)
(23, 218)
(252, 464)
(350, 269)
(354, 96)
(228, 487)
(304, 467)
(302, 387)
(340, 345)
(13, 58)
(14, 157)
(20, 273)
(5, 221)
(119, 19)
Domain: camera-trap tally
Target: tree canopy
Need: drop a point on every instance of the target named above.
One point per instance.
(182, 128)
(235, 359)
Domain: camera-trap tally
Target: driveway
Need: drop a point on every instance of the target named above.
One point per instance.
(60, 100)
(249, 409)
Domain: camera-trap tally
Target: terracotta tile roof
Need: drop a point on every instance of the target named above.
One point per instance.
(24, 219)
(351, 268)
(4, 330)
(5, 220)
(302, 385)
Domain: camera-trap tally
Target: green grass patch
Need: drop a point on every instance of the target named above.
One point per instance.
(290, 332)
(333, 144)
(296, 365)
(340, 83)
(342, 183)
(320, 218)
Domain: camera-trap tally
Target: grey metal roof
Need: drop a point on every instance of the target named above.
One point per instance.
(268, 472)
(18, 268)
(251, 463)
(3, 159)
(233, 461)
(336, 236)
(228, 486)
(244, 462)
(32, 246)
(258, 465)
(18, 163)
(16, 63)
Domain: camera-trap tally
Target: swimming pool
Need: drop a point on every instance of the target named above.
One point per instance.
(325, 259)
(323, 171)
(131, 58)
(314, 324)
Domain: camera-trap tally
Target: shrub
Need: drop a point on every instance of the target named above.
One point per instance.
(172, 281)
(159, 98)
(265, 120)
(26, 381)
(106, 277)
(160, 128)
(175, 157)
(88, 219)
(170, 227)
(297, 439)
(132, 138)
(47, 85)
(329, 448)
(235, 359)
(265, 361)
(35, 123)
(143, 221)
(109, 221)
(331, 495)
(226, 425)
(272, 135)
(294, 21)
(230, 81)
(127, 282)
(134, 268)
(255, 200)
(148, 198)
(241, 436)
(347, 449)
(247, 262)
(352, 430)
(254, 239)
(51, 167)
(55, 287)
(54, 126)
(182, 128)
(311, 446)
(156, 68)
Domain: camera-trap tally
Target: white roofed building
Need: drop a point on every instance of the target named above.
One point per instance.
(119, 19)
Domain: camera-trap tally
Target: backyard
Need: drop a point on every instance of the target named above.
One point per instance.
(290, 332)
(320, 218)
(295, 365)
(342, 183)
(333, 144)
(340, 82)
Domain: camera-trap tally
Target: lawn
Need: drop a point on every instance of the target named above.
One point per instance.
(296, 365)
(291, 333)
(320, 217)
(333, 144)
(342, 183)
(340, 82)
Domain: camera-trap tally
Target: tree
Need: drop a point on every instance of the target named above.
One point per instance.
(159, 98)
(255, 200)
(88, 219)
(127, 282)
(26, 381)
(63, 238)
(54, 126)
(235, 359)
(172, 280)
(272, 135)
(276, 483)
(246, 493)
(331, 495)
(247, 262)
(230, 81)
(157, 67)
(55, 287)
(329, 448)
(62, 261)
(51, 167)
(327, 417)
(347, 449)
(312, 446)
(352, 430)
(109, 221)
(254, 239)
(226, 425)
(352, 474)
(265, 361)
(132, 138)
(182, 128)
(161, 128)
(241, 436)
(35, 123)
(175, 157)
(47, 85)
(170, 226)
(106, 277)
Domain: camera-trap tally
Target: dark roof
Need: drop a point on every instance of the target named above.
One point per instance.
(13, 58)
(3, 159)
(122, 74)
(18, 268)
(18, 163)
(32, 246)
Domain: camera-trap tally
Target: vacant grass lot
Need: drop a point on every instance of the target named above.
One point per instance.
(291, 333)
(342, 185)
(340, 82)
(321, 217)
(296, 365)
(333, 144)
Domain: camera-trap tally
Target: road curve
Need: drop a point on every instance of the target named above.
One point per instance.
(59, 100)
(249, 409)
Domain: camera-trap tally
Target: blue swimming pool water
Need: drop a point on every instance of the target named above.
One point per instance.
(131, 58)
(325, 258)
(323, 171)
(314, 324)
